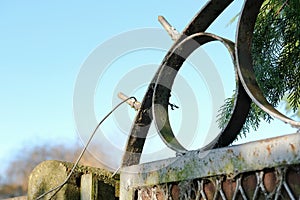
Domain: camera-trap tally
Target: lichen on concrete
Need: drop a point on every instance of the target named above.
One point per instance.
(50, 174)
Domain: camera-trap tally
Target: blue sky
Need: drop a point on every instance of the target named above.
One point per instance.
(43, 45)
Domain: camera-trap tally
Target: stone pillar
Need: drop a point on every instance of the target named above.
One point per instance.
(50, 174)
(86, 183)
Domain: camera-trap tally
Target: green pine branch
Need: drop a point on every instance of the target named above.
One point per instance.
(276, 61)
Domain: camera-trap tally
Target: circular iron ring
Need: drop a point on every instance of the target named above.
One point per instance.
(143, 120)
(165, 80)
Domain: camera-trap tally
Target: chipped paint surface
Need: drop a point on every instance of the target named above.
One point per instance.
(230, 161)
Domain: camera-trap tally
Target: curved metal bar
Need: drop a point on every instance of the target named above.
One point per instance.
(165, 80)
(246, 74)
(244, 61)
(142, 122)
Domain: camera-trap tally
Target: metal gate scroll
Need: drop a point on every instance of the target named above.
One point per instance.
(154, 107)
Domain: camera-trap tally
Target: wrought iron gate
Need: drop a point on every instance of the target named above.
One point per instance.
(261, 170)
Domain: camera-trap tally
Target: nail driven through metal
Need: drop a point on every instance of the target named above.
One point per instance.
(174, 34)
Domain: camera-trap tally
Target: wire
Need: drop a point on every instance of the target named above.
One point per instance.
(58, 188)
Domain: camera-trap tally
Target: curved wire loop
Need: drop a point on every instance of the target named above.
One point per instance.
(165, 80)
(244, 61)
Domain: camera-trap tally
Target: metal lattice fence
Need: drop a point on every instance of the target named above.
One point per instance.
(265, 169)
(276, 183)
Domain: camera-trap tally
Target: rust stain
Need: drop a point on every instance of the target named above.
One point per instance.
(229, 151)
(255, 153)
(269, 150)
(293, 147)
